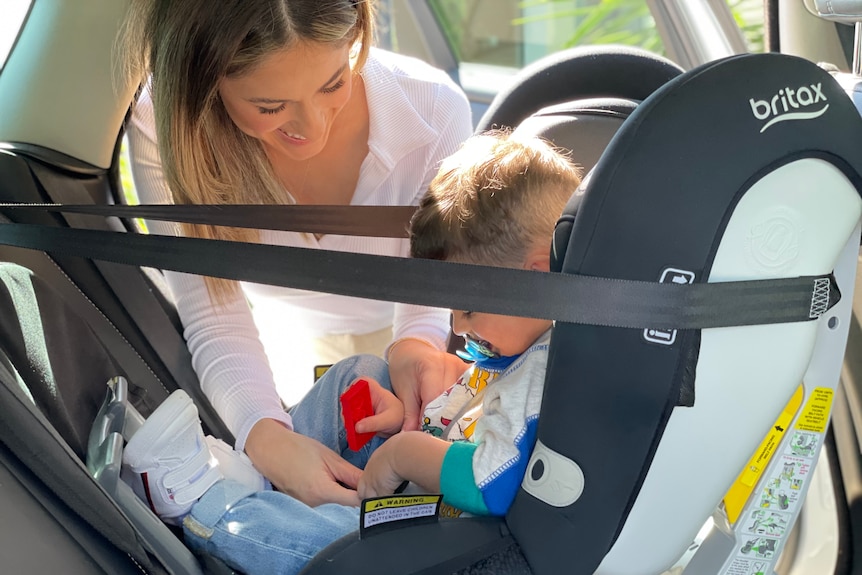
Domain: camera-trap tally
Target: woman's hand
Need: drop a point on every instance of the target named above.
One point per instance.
(420, 373)
(300, 466)
(388, 412)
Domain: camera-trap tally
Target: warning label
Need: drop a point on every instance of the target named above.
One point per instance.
(772, 509)
(740, 491)
(384, 510)
(815, 414)
(399, 501)
(387, 514)
(747, 567)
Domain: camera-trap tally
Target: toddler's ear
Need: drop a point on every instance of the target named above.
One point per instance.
(539, 259)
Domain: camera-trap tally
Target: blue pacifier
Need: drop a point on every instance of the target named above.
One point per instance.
(475, 351)
(480, 354)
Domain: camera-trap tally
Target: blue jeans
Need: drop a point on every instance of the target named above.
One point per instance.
(269, 531)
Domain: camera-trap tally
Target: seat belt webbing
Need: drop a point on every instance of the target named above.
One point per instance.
(373, 221)
(563, 297)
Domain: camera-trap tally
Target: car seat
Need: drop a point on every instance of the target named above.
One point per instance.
(745, 168)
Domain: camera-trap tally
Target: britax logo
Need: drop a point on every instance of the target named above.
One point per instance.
(784, 105)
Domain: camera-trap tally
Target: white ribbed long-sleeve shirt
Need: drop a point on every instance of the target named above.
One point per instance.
(418, 116)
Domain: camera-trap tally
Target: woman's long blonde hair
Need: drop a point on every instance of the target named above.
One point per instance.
(187, 47)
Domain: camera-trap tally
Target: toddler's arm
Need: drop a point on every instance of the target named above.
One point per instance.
(408, 456)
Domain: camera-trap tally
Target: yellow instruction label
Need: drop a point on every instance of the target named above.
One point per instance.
(319, 370)
(740, 491)
(815, 415)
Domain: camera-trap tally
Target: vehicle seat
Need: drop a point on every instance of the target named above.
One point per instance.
(644, 432)
(582, 128)
(63, 406)
(123, 306)
(606, 71)
(66, 381)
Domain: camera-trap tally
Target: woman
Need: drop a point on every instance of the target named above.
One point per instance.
(278, 102)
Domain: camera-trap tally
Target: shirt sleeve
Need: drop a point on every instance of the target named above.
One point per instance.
(453, 114)
(457, 482)
(227, 354)
(484, 477)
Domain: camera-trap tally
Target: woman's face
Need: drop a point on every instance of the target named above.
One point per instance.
(291, 100)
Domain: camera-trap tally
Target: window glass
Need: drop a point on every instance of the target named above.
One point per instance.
(14, 12)
(749, 16)
(516, 33)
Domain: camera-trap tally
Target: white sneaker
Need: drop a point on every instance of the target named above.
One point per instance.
(236, 466)
(172, 466)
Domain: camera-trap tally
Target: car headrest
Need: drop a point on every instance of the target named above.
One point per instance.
(582, 127)
(577, 73)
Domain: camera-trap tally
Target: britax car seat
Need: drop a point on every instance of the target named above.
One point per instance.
(745, 168)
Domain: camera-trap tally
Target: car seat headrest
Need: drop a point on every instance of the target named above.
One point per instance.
(582, 128)
(563, 229)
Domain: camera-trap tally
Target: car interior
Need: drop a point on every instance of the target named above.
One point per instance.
(682, 424)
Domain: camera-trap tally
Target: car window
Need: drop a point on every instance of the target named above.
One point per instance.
(14, 14)
(515, 33)
(749, 17)
(490, 40)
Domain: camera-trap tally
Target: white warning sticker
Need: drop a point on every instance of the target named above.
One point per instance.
(386, 514)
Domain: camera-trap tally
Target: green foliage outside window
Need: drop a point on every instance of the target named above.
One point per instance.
(587, 22)
(627, 22)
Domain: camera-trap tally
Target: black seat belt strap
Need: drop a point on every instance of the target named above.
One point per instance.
(373, 221)
(563, 297)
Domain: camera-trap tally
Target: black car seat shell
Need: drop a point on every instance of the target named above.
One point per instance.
(665, 197)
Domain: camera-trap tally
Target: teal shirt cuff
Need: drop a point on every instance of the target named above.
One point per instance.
(457, 482)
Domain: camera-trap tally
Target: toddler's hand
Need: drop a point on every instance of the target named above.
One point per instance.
(379, 477)
(388, 412)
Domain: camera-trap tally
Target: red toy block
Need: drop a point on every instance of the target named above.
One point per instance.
(356, 405)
